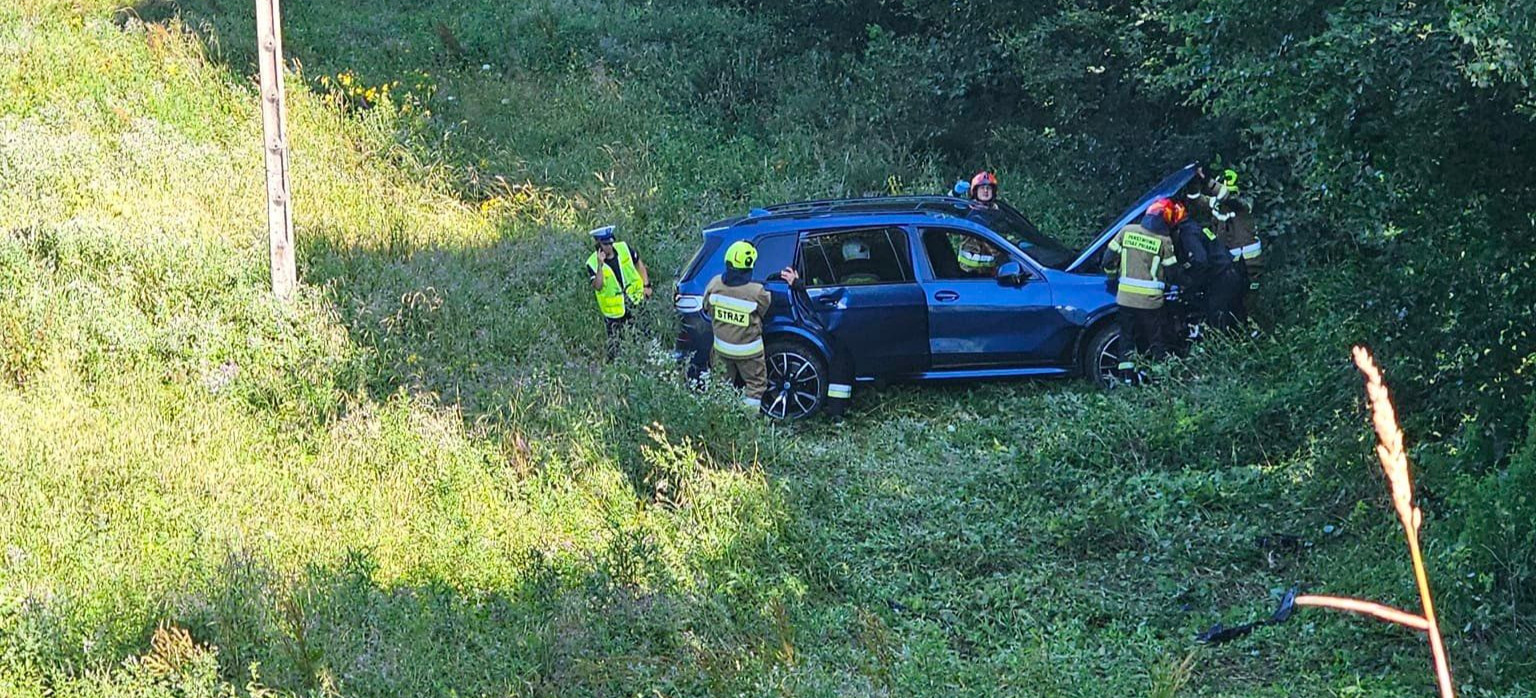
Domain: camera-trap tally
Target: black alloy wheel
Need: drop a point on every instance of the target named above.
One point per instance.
(1102, 356)
(797, 381)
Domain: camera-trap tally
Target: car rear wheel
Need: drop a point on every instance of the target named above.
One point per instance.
(1101, 355)
(797, 380)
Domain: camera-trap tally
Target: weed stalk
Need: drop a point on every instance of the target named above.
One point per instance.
(1394, 462)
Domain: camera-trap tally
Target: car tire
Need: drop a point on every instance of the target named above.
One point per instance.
(797, 380)
(1101, 355)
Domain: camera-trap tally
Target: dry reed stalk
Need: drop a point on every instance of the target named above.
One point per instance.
(1365, 608)
(1394, 462)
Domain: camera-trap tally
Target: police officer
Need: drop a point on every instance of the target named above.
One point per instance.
(619, 280)
(1138, 261)
(736, 306)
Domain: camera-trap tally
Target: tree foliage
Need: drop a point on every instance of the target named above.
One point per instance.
(1388, 145)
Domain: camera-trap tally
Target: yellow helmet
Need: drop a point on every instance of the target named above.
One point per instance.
(741, 255)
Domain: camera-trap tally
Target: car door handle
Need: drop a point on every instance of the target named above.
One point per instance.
(833, 301)
(946, 296)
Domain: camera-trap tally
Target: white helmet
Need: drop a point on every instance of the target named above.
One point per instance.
(855, 249)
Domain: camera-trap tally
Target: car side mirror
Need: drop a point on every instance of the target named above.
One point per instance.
(1011, 274)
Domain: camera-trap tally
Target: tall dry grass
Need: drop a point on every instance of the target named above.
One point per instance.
(1394, 464)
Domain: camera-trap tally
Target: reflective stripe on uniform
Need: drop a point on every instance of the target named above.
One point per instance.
(974, 260)
(1143, 286)
(1126, 366)
(736, 304)
(839, 391)
(752, 402)
(739, 351)
(1247, 252)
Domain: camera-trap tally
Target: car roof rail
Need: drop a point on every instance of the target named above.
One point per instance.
(920, 205)
(909, 202)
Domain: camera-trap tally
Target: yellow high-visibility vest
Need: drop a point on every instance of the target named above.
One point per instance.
(611, 297)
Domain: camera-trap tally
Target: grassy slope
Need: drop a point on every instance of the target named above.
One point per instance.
(413, 482)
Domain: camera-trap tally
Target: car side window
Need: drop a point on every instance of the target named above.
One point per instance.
(856, 258)
(960, 254)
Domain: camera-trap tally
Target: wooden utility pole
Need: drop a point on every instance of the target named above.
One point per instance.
(274, 124)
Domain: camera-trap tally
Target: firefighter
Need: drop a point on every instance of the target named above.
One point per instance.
(983, 190)
(857, 266)
(619, 280)
(736, 305)
(1138, 261)
(1227, 215)
(1214, 283)
(1234, 227)
(977, 257)
(840, 382)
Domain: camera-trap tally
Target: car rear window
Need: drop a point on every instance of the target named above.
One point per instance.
(691, 269)
(774, 252)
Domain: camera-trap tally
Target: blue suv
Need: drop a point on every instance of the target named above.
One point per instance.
(914, 288)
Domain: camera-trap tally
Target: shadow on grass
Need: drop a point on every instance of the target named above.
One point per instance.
(616, 624)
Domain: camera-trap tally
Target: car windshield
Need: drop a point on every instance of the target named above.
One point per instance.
(1006, 221)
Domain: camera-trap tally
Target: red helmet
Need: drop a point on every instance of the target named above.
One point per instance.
(983, 178)
(1172, 212)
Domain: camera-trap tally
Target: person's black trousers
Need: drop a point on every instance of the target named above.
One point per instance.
(616, 328)
(1145, 332)
(1224, 305)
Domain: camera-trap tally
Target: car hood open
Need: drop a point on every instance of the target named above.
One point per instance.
(1170, 186)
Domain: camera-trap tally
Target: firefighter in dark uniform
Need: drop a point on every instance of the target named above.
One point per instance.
(1208, 274)
(1217, 207)
(1138, 261)
(1234, 227)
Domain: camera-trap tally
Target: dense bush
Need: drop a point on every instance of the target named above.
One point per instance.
(1388, 147)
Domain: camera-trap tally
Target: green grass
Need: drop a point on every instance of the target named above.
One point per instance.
(416, 479)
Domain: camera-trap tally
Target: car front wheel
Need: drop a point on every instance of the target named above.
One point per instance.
(797, 380)
(1101, 355)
